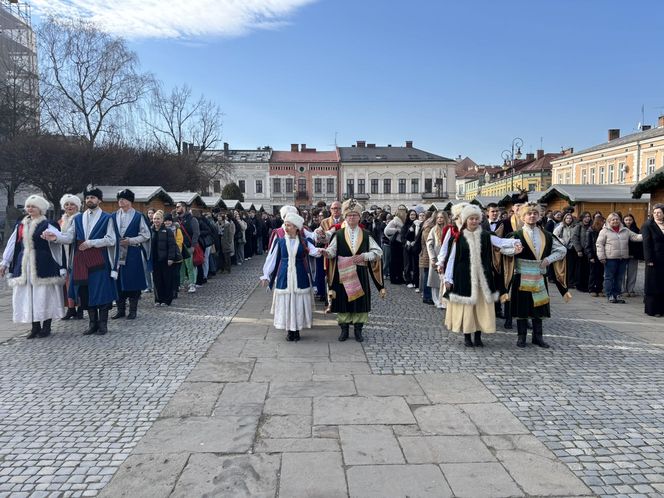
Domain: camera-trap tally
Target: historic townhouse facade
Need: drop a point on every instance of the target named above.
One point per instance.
(303, 176)
(619, 161)
(389, 176)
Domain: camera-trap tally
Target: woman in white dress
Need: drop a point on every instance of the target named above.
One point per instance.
(35, 270)
(287, 272)
(433, 244)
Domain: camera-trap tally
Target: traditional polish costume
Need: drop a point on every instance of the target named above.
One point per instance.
(288, 272)
(36, 272)
(64, 223)
(350, 291)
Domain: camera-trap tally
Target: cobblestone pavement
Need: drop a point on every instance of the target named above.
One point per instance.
(73, 407)
(596, 399)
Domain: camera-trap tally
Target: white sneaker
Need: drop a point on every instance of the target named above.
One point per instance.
(410, 286)
(192, 289)
(417, 290)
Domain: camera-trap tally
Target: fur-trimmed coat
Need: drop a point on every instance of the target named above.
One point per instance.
(30, 253)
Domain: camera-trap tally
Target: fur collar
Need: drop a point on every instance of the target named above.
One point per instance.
(477, 278)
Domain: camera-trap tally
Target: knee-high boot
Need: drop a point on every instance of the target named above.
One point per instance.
(122, 308)
(344, 331)
(103, 320)
(34, 331)
(93, 315)
(538, 334)
(522, 331)
(46, 328)
(133, 307)
(357, 327)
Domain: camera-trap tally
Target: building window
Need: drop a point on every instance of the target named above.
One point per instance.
(361, 189)
(621, 172)
(350, 187)
(415, 185)
(289, 185)
(611, 172)
(532, 187)
(584, 177)
(568, 177)
(651, 166)
(592, 176)
(216, 186)
(560, 178)
(241, 184)
(330, 185)
(387, 186)
(259, 186)
(302, 185)
(318, 185)
(428, 185)
(374, 186)
(402, 185)
(276, 185)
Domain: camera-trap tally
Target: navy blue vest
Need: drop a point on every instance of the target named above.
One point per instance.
(47, 267)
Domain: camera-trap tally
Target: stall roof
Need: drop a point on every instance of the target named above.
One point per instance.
(649, 183)
(186, 197)
(592, 193)
(213, 201)
(233, 204)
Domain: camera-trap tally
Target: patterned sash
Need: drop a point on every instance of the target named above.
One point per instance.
(86, 262)
(348, 278)
(532, 280)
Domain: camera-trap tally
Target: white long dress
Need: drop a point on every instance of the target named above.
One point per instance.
(292, 307)
(34, 303)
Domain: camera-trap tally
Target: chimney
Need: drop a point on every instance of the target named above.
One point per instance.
(645, 127)
(614, 133)
(530, 156)
(568, 152)
(371, 146)
(361, 143)
(660, 122)
(303, 148)
(294, 148)
(540, 153)
(409, 144)
(226, 148)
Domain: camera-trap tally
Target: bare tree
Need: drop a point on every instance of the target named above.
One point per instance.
(89, 79)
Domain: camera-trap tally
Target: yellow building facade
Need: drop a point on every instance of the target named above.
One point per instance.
(620, 161)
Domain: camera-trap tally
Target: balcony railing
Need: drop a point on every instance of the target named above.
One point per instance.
(435, 195)
(301, 194)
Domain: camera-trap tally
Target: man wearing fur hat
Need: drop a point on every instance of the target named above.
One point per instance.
(468, 278)
(36, 270)
(134, 254)
(354, 258)
(94, 259)
(525, 274)
(71, 208)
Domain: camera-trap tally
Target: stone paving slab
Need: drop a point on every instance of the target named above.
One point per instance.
(319, 475)
(407, 481)
(369, 445)
(444, 449)
(480, 480)
(361, 410)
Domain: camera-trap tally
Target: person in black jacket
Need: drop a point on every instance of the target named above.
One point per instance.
(635, 255)
(206, 240)
(596, 278)
(653, 253)
(164, 255)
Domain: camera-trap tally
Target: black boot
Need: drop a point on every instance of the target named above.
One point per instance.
(79, 313)
(133, 307)
(291, 336)
(467, 340)
(46, 329)
(498, 308)
(34, 331)
(93, 315)
(71, 313)
(478, 339)
(297, 335)
(538, 334)
(358, 332)
(508, 316)
(121, 311)
(522, 331)
(344, 331)
(103, 321)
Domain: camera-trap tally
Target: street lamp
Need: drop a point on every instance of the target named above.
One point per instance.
(509, 156)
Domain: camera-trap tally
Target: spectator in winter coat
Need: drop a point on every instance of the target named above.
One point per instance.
(635, 255)
(613, 251)
(579, 241)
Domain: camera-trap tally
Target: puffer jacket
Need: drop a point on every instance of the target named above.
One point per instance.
(615, 245)
(565, 233)
(580, 237)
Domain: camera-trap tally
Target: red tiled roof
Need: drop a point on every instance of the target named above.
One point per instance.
(304, 157)
(543, 163)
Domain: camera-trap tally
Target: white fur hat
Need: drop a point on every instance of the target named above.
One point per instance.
(294, 219)
(456, 208)
(468, 211)
(287, 209)
(37, 201)
(74, 199)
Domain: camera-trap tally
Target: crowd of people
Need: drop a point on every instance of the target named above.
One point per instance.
(478, 265)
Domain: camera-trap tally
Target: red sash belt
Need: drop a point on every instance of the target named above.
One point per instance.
(86, 262)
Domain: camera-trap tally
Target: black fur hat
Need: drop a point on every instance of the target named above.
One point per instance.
(126, 194)
(95, 191)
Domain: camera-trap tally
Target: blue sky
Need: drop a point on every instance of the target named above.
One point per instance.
(456, 77)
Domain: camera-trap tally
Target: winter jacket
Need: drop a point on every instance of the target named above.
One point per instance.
(615, 245)
(580, 237)
(227, 237)
(393, 229)
(164, 247)
(565, 234)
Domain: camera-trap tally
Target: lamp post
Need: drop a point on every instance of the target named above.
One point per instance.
(509, 156)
